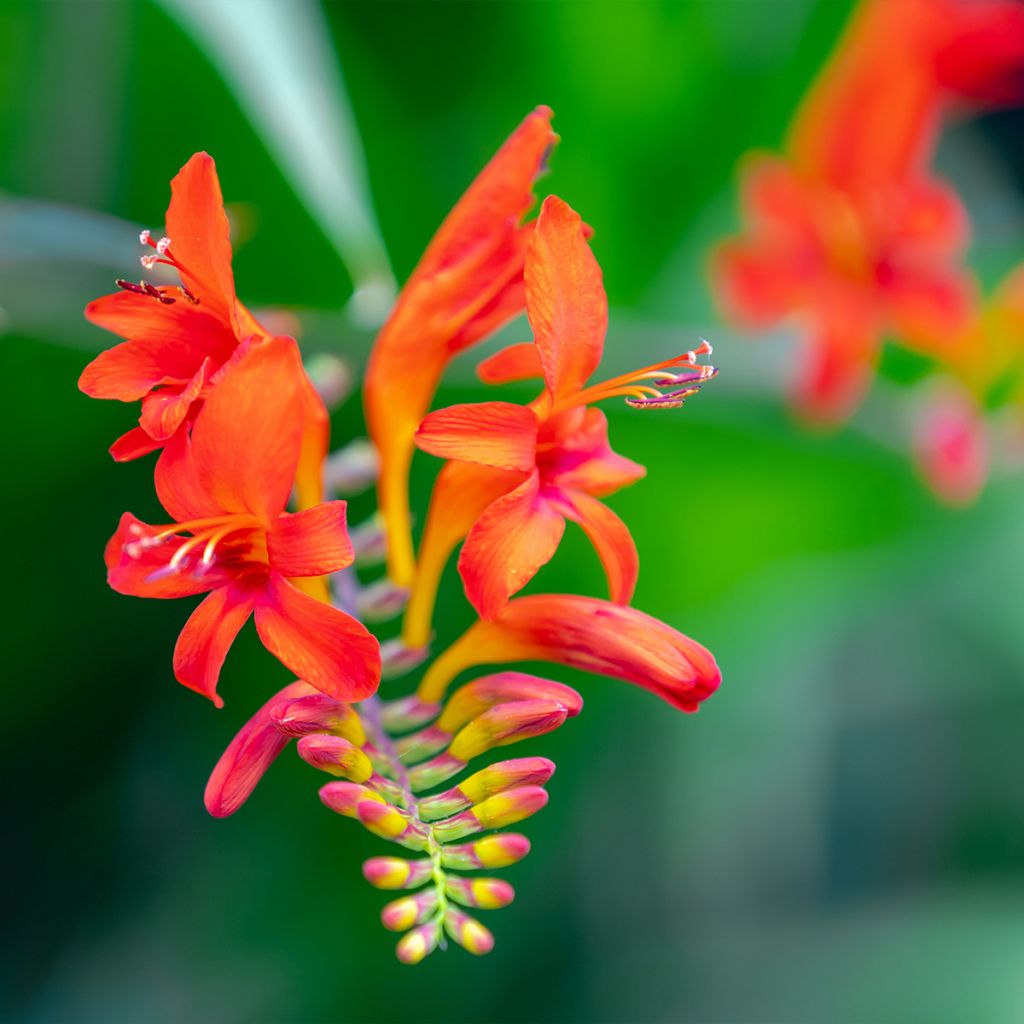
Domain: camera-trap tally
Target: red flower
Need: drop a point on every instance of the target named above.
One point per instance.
(180, 338)
(468, 283)
(226, 485)
(538, 465)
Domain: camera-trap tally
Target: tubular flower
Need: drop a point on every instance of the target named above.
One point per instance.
(468, 283)
(533, 467)
(848, 233)
(180, 337)
(225, 487)
(584, 633)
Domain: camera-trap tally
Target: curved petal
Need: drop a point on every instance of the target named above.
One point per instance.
(931, 309)
(133, 445)
(138, 569)
(611, 539)
(246, 440)
(201, 236)
(164, 410)
(132, 369)
(322, 645)
(836, 372)
(581, 457)
(517, 534)
(498, 434)
(516, 362)
(565, 298)
(755, 283)
(464, 286)
(589, 634)
(209, 633)
(313, 542)
(249, 755)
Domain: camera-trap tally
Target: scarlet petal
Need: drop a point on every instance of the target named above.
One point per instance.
(322, 645)
(133, 445)
(931, 308)
(201, 237)
(836, 373)
(310, 543)
(517, 534)
(249, 755)
(164, 411)
(497, 434)
(517, 362)
(166, 342)
(756, 283)
(565, 298)
(611, 539)
(204, 642)
(137, 569)
(582, 459)
(246, 440)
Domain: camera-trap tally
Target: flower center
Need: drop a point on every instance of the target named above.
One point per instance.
(163, 293)
(663, 385)
(235, 539)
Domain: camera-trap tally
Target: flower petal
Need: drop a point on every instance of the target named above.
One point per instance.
(588, 634)
(316, 431)
(498, 434)
(580, 456)
(201, 236)
(246, 440)
(209, 633)
(517, 534)
(611, 539)
(516, 362)
(464, 285)
(565, 298)
(249, 755)
(133, 445)
(138, 569)
(836, 371)
(312, 542)
(322, 645)
(164, 410)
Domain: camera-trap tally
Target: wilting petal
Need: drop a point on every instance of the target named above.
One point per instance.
(201, 236)
(565, 298)
(137, 568)
(133, 445)
(588, 634)
(246, 440)
(249, 755)
(310, 543)
(951, 447)
(463, 285)
(462, 492)
(517, 362)
(611, 539)
(497, 434)
(322, 645)
(517, 534)
(209, 633)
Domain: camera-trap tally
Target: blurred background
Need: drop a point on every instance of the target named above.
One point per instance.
(838, 835)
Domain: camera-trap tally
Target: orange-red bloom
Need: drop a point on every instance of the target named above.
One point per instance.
(180, 338)
(468, 283)
(535, 466)
(226, 484)
(584, 633)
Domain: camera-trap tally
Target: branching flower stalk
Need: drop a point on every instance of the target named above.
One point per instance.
(242, 435)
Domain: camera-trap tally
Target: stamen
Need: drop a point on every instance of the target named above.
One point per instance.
(145, 237)
(147, 262)
(163, 245)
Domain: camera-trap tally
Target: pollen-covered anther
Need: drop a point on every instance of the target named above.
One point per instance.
(147, 261)
(163, 245)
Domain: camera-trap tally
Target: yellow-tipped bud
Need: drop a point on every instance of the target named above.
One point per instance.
(468, 932)
(504, 724)
(419, 943)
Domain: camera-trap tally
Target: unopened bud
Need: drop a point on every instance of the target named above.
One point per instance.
(345, 797)
(523, 771)
(397, 659)
(369, 542)
(419, 943)
(497, 851)
(388, 822)
(468, 932)
(352, 469)
(318, 713)
(407, 713)
(470, 700)
(495, 812)
(336, 755)
(425, 743)
(381, 600)
(403, 913)
(505, 724)
(331, 377)
(396, 872)
(481, 893)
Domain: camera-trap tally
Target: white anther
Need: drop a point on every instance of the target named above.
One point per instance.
(133, 550)
(145, 236)
(135, 530)
(163, 245)
(147, 262)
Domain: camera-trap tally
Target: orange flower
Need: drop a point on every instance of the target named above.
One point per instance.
(588, 634)
(180, 338)
(468, 283)
(532, 467)
(226, 485)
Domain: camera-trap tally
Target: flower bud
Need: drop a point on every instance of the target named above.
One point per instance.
(381, 600)
(344, 797)
(490, 852)
(388, 822)
(407, 713)
(522, 771)
(505, 724)
(418, 745)
(419, 943)
(369, 542)
(396, 872)
(397, 659)
(469, 701)
(401, 914)
(332, 379)
(468, 932)
(336, 755)
(495, 812)
(482, 893)
(318, 713)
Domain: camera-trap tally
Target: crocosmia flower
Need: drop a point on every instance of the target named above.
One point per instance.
(553, 455)
(225, 488)
(468, 283)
